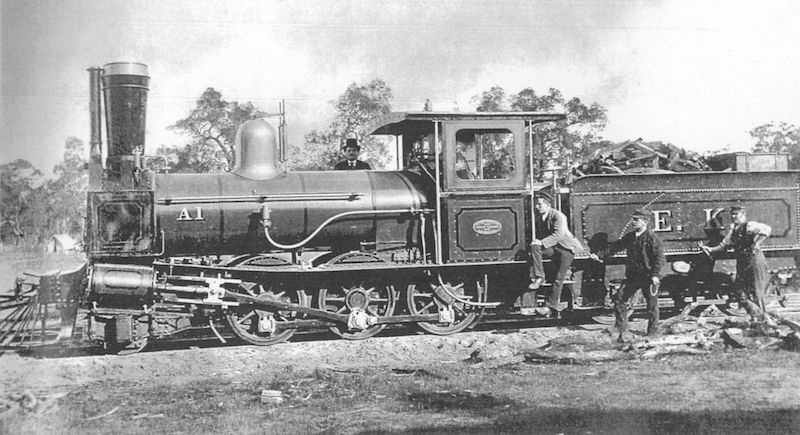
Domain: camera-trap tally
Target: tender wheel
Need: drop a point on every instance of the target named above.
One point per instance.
(436, 299)
(781, 290)
(263, 327)
(131, 348)
(373, 299)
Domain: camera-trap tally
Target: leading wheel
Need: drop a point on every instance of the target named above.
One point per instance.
(264, 327)
(445, 297)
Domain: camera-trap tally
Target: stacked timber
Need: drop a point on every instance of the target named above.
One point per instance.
(638, 156)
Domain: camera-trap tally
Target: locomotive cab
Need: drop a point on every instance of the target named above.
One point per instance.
(479, 165)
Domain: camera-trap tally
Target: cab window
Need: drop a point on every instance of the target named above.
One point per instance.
(483, 154)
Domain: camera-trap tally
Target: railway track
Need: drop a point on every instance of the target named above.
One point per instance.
(26, 324)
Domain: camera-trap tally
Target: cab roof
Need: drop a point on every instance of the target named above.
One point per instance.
(400, 122)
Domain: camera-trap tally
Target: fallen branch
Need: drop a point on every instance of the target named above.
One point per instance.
(671, 350)
(671, 340)
(666, 324)
(576, 357)
(498, 362)
(795, 326)
(96, 417)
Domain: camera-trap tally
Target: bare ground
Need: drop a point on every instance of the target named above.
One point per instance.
(407, 383)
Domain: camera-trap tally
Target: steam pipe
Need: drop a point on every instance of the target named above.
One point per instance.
(265, 219)
(95, 114)
(96, 122)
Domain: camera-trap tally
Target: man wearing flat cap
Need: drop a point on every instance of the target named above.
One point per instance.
(351, 161)
(644, 260)
(552, 240)
(752, 276)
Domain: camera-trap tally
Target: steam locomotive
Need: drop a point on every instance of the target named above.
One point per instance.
(439, 243)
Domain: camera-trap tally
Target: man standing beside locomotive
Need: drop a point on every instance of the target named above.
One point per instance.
(644, 260)
(751, 267)
(351, 161)
(554, 241)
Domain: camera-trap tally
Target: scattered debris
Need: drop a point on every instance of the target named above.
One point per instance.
(544, 356)
(417, 372)
(271, 397)
(106, 414)
(792, 341)
(499, 362)
(684, 334)
(146, 415)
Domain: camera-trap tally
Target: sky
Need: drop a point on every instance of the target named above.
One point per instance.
(698, 74)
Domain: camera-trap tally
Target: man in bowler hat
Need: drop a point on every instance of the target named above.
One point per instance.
(351, 161)
(644, 260)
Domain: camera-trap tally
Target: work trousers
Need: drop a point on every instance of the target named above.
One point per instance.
(752, 278)
(622, 303)
(562, 259)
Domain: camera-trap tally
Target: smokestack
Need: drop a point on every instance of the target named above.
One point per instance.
(125, 85)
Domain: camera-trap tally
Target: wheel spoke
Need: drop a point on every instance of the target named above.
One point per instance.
(249, 315)
(245, 324)
(425, 308)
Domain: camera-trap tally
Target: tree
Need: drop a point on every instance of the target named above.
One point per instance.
(563, 142)
(67, 192)
(212, 127)
(780, 138)
(493, 100)
(355, 108)
(19, 181)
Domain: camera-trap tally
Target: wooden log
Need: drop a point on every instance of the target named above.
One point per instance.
(671, 350)
(499, 362)
(795, 326)
(664, 326)
(544, 356)
(670, 340)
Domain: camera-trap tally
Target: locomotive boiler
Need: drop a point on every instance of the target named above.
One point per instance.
(439, 243)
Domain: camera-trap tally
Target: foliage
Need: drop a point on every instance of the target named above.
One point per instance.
(67, 193)
(563, 143)
(780, 138)
(211, 125)
(33, 208)
(19, 182)
(493, 100)
(320, 152)
(355, 108)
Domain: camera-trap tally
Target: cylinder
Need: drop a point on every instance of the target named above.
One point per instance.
(125, 85)
(122, 280)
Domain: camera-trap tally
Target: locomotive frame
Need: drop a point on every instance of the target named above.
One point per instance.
(269, 252)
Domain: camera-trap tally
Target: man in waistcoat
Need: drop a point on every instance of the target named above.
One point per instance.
(752, 275)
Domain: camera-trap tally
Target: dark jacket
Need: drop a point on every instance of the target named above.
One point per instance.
(644, 254)
(344, 165)
(552, 230)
